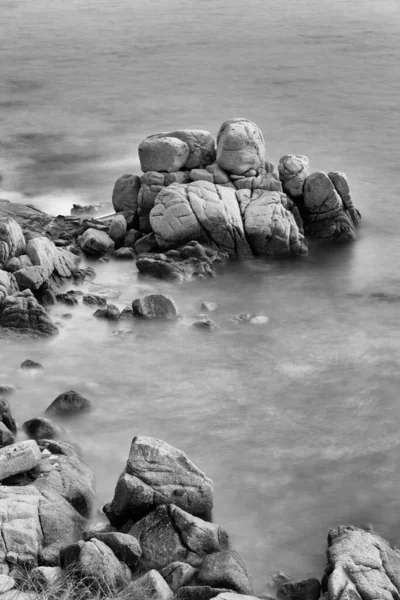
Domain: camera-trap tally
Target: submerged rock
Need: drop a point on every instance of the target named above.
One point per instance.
(155, 306)
(29, 364)
(157, 473)
(68, 404)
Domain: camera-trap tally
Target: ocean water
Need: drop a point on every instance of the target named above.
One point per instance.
(297, 421)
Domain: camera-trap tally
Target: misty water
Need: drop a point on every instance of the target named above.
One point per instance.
(296, 421)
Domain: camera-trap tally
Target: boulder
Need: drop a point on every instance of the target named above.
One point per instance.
(6, 437)
(14, 264)
(110, 312)
(95, 242)
(342, 187)
(306, 589)
(30, 278)
(131, 238)
(240, 146)
(125, 193)
(6, 584)
(157, 473)
(147, 243)
(4, 254)
(163, 153)
(42, 252)
(209, 306)
(23, 313)
(46, 577)
(178, 574)
(93, 300)
(150, 586)
(124, 254)
(95, 564)
(201, 147)
(199, 211)
(40, 428)
(19, 458)
(227, 595)
(31, 365)
(201, 592)
(6, 416)
(361, 564)
(152, 184)
(293, 171)
(125, 547)
(155, 306)
(170, 534)
(118, 229)
(8, 284)
(12, 235)
(68, 404)
(226, 570)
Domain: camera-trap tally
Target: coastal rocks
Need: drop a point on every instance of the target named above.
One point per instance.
(12, 236)
(150, 586)
(202, 592)
(42, 252)
(151, 184)
(159, 153)
(6, 416)
(178, 574)
(342, 187)
(125, 193)
(31, 365)
(147, 243)
(19, 458)
(205, 323)
(96, 243)
(6, 437)
(199, 211)
(40, 428)
(124, 254)
(157, 473)
(95, 564)
(201, 147)
(226, 570)
(110, 312)
(8, 284)
(68, 404)
(361, 564)
(240, 146)
(293, 171)
(307, 589)
(169, 534)
(125, 547)
(323, 212)
(22, 312)
(118, 229)
(155, 306)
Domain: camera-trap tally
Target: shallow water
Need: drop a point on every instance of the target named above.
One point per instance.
(295, 421)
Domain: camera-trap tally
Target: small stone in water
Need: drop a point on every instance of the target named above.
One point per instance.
(210, 306)
(205, 324)
(31, 364)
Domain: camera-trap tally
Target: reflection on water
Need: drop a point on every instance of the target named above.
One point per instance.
(295, 421)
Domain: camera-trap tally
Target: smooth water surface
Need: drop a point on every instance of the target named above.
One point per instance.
(297, 421)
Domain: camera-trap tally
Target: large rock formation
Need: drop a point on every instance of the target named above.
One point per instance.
(12, 239)
(22, 313)
(157, 473)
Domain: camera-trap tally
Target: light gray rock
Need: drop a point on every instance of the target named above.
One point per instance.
(19, 458)
(199, 592)
(233, 596)
(152, 183)
(4, 253)
(125, 547)
(169, 534)
(118, 229)
(150, 586)
(31, 278)
(95, 242)
(240, 146)
(44, 253)
(44, 577)
(125, 193)
(342, 187)
(163, 153)
(6, 583)
(155, 306)
(201, 144)
(12, 234)
(157, 473)
(293, 171)
(6, 437)
(8, 283)
(22, 313)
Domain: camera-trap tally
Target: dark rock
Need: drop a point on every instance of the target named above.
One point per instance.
(31, 365)
(68, 404)
(69, 298)
(178, 574)
(125, 193)
(157, 473)
(307, 589)
(14, 264)
(60, 448)
(169, 534)
(126, 314)
(125, 547)
(47, 298)
(131, 238)
(6, 417)
(155, 306)
(7, 390)
(124, 254)
(95, 242)
(67, 316)
(94, 300)
(200, 592)
(147, 243)
(111, 312)
(205, 323)
(40, 428)
(118, 229)
(150, 586)
(6, 437)
(225, 570)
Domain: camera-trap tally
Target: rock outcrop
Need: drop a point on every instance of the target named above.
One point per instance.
(155, 306)
(22, 313)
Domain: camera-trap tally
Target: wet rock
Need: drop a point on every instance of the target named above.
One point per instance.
(240, 146)
(159, 153)
(169, 534)
(7, 390)
(361, 564)
(147, 243)
(202, 592)
(110, 312)
(95, 564)
(69, 298)
(157, 473)
(68, 404)
(242, 318)
(93, 300)
(6, 416)
(59, 448)
(307, 589)
(225, 570)
(125, 547)
(126, 314)
(125, 193)
(155, 306)
(40, 428)
(173, 266)
(18, 458)
(23, 313)
(209, 306)
(95, 242)
(293, 171)
(131, 238)
(124, 254)
(118, 229)
(205, 323)
(150, 586)
(29, 364)
(6, 437)
(46, 577)
(178, 574)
